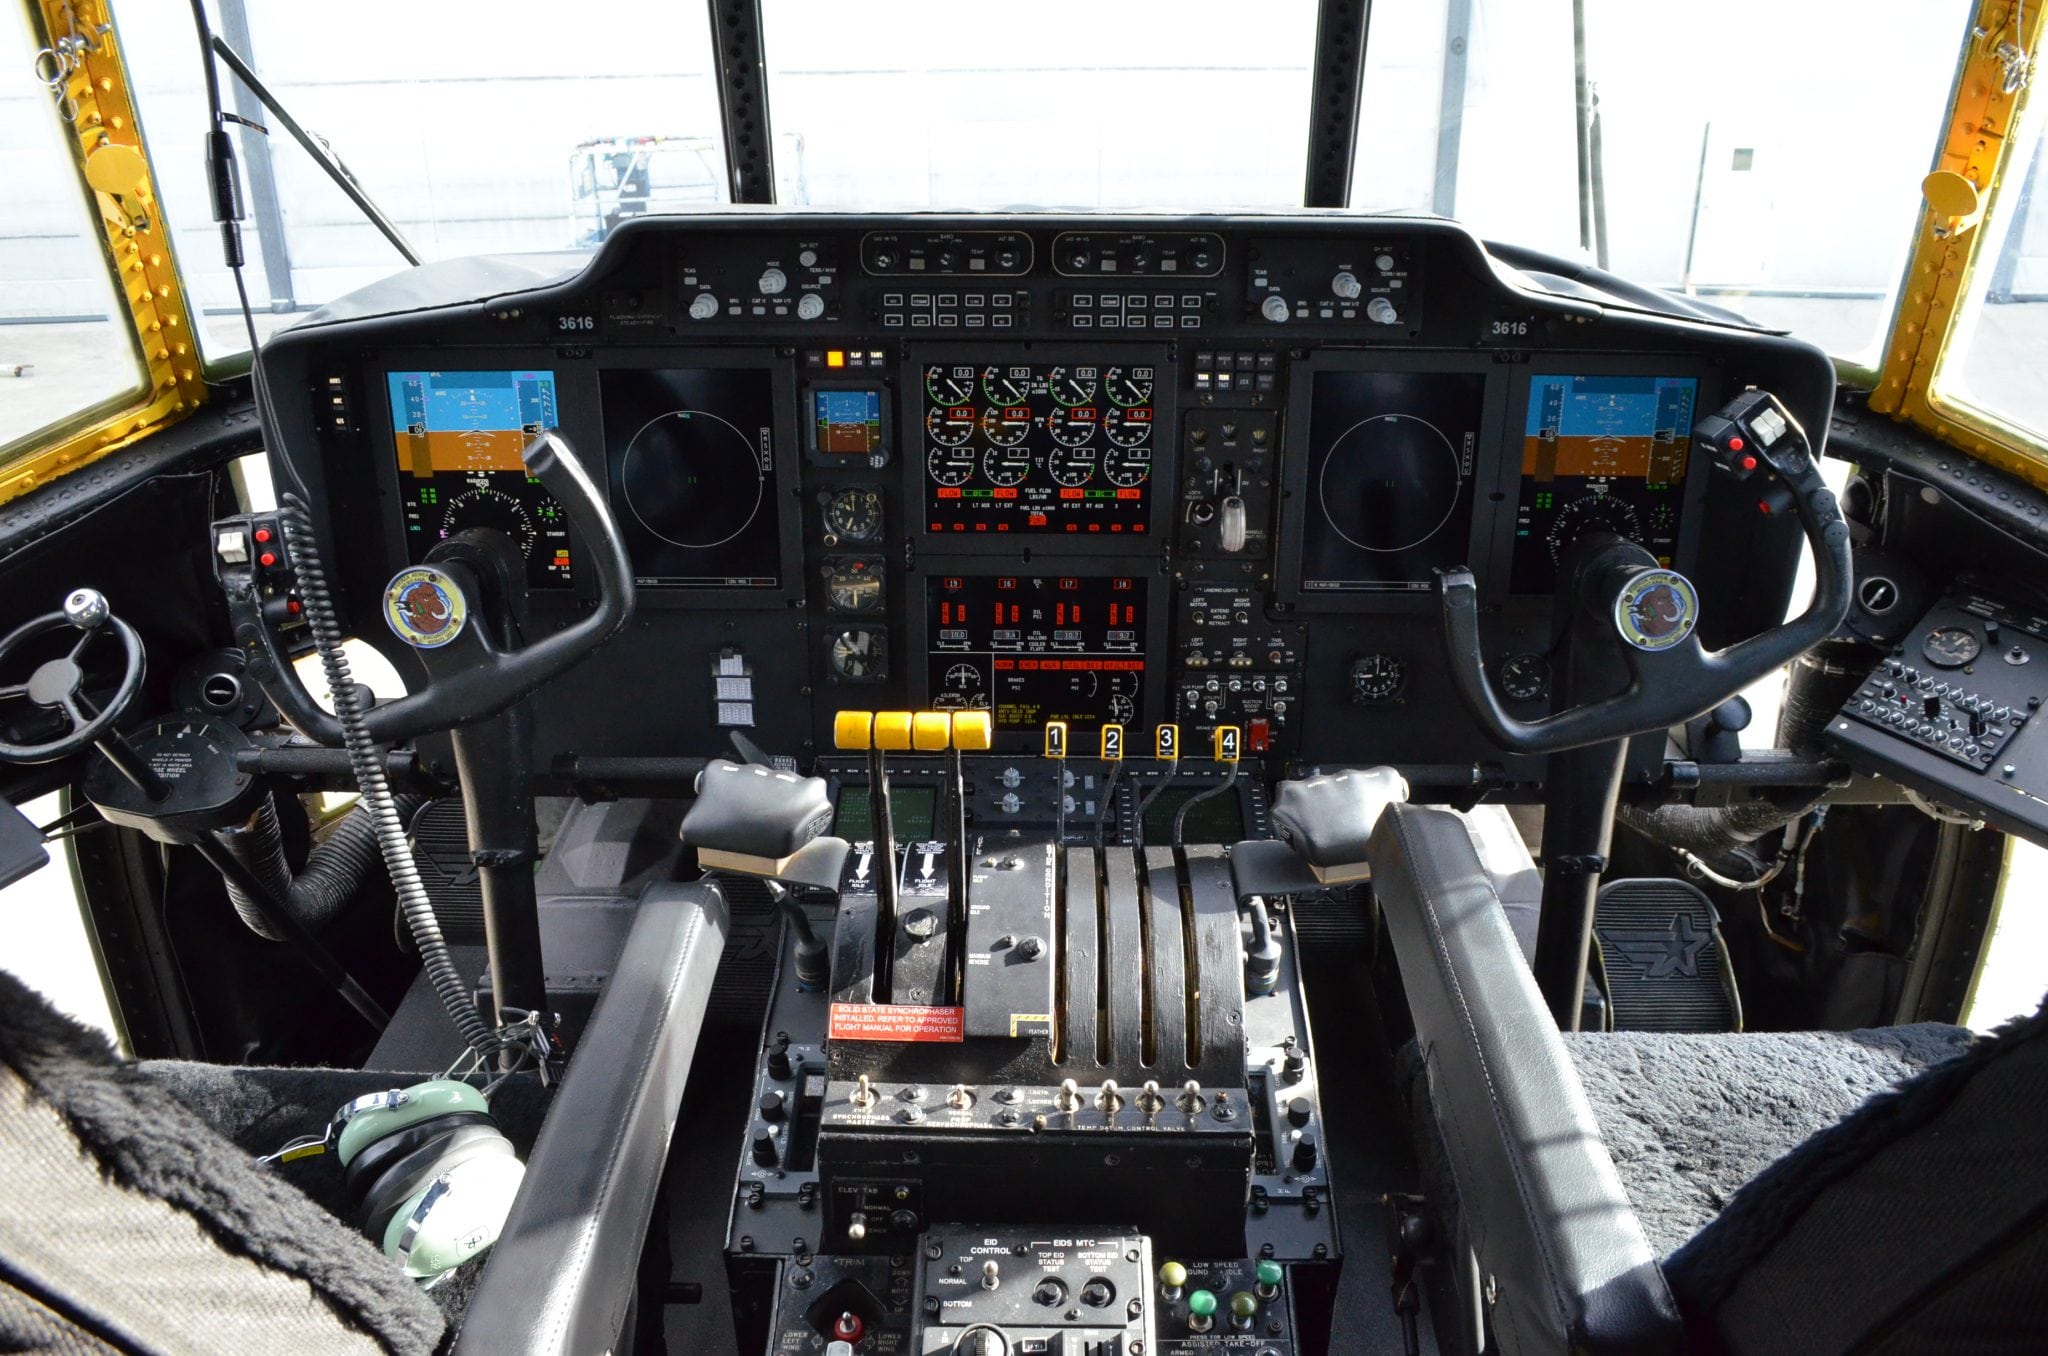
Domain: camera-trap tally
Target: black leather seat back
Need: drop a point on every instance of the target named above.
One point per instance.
(1559, 1251)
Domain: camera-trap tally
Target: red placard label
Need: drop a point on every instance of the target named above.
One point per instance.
(897, 1022)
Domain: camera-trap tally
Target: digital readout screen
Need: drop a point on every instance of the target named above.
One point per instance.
(1034, 648)
(1039, 448)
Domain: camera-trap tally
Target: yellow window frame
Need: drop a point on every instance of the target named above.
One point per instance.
(1978, 148)
(106, 145)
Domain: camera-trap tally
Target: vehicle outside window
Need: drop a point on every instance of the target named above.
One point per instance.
(458, 120)
(1166, 104)
(66, 346)
(1997, 358)
(1761, 155)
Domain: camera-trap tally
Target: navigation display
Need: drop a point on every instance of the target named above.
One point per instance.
(1049, 448)
(692, 460)
(1389, 488)
(458, 439)
(1035, 648)
(1600, 454)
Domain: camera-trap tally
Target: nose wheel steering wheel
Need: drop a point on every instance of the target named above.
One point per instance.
(60, 684)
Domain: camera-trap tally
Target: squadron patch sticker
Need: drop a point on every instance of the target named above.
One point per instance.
(424, 608)
(1656, 610)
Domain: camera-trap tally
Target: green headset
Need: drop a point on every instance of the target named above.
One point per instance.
(429, 1175)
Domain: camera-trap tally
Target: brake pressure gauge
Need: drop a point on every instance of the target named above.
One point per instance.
(853, 584)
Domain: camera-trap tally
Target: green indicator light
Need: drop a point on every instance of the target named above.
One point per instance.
(1244, 1304)
(1202, 1303)
(1269, 1272)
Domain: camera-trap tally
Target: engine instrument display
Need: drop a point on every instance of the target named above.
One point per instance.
(692, 460)
(1038, 447)
(458, 439)
(1035, 648)
(1389, 471)
(1600, 453)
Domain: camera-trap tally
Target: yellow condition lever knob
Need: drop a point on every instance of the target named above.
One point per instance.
(892, 730)
(853, 729)
(973, 731)
(931, 731)
(1056, 739)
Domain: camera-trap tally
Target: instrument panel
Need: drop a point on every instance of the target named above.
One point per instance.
(1116, 472)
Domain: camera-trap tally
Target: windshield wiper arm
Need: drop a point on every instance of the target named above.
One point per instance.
(323, 155)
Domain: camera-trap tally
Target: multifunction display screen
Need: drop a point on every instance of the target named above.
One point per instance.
(1388, 498)
(1600, 454)
(692, 460)
(459, 436)
(1035, 648)
(846, 422)
(1048, 448)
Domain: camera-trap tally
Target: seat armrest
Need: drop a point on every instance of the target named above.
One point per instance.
(1567, 1261)
(561, 1277)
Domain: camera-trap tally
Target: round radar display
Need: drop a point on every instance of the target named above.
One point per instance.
(692, 479)
(1389, 483)
(1656, 610)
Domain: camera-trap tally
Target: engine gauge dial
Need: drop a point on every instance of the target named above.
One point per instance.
(855, 514)
(1071, 467)
(1525, 677)
(1005, 386)
(1072, 385)
(1006, 466)
(1593, 513)
(1130, 469)
(950, 465)
(1073, 426)
(1006, 425)
(487, 506)
(1951, 647)
(859, 654)
(950, 425)
(1128, 385)
(949, 385)
(1127, 428)
(1377, 678)
(854, 585)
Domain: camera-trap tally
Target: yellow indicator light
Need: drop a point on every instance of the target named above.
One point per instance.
(1056, 739)
(1166, 743)
(931, 731)
(1229, 739)
(853, 729)
(973, 731)
(892, 730)
(1112, 743)
(835, 357)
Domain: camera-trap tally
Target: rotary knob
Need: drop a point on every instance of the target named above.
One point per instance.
(1345, 285)
(703, 306)
(1381, 311)
(1274, 308)
(772, 281)
(810, 306)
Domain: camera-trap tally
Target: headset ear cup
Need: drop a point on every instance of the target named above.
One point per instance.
(370, 1161)
(404, 1177)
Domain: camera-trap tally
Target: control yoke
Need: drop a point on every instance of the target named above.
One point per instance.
(256, 570)
(1634, 621)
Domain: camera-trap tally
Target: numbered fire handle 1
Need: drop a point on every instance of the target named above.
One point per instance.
(1056, 740)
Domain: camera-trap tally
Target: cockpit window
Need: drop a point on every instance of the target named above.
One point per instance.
(1761, 155)
(65, 346)
(1168, 104)
(1996, 357)
(518, 126)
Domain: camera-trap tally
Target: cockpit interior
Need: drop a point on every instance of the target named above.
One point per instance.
(793, 778)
